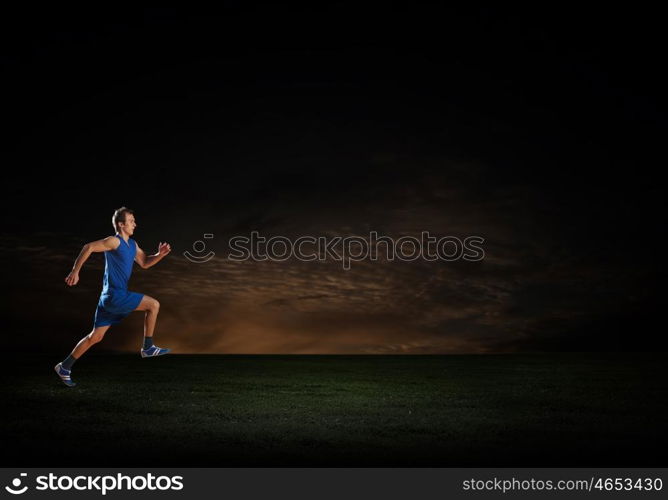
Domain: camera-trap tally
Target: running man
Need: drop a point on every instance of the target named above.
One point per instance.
(116, 301)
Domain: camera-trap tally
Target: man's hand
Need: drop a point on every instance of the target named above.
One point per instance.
(72, 278)
(164, 249)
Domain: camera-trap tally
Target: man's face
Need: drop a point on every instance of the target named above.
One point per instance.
(129, 225)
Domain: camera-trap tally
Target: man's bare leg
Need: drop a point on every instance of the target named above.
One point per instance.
(63, 368)
(152, 308)
(89, 341)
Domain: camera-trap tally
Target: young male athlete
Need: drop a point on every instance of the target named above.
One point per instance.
(116, 301)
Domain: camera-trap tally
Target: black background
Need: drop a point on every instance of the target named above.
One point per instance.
(253, 114)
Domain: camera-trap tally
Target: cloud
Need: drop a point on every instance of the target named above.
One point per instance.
(532, 284)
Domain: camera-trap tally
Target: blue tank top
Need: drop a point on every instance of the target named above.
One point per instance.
(118, 265)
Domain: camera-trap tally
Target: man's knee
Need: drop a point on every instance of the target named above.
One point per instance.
(149, 304)
(155, 305)
(96, 336)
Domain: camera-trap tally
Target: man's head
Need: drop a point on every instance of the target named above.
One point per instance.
(124, 221)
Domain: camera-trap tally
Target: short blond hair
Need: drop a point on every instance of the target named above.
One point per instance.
(119, 216)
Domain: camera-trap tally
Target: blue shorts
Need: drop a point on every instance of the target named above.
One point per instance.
(114, 305)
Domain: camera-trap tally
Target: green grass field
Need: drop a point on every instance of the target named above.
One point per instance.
(214, 410)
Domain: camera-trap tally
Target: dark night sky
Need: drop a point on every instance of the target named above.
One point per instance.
(538, 130)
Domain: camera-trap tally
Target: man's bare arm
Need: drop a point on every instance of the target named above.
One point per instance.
(108, 243)
(146, 261)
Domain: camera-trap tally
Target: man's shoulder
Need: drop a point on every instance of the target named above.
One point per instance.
(114, 240)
